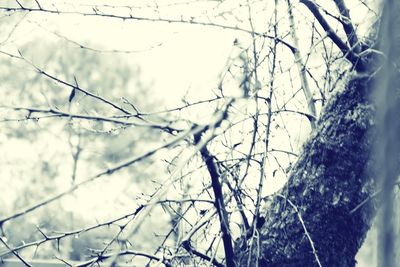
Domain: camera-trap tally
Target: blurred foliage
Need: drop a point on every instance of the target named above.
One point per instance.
(39, 150)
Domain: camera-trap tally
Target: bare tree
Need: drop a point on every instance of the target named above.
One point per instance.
(232, 186)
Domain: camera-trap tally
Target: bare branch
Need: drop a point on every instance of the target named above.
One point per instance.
(348, 26)
(165, 20)
(302, 70)
(347, 51)
(186, 245)
(94, 260)
(59, 113)
(14, 252)
(304, 228)
(86, 92)
(93, 178)
(219, 201)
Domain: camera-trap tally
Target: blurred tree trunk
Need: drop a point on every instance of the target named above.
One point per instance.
(322, 215)
(387, 99)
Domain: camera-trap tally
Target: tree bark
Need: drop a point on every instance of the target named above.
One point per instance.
(310, 222)
(322, 215)
(329, 180)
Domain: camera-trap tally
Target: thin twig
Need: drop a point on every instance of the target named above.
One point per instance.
(219, 200)
(14, 252)
(304, 228)
(158, 19)
(95, 177)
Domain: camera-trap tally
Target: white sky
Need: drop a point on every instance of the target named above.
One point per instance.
(179, 58)
(175, 57)
(189, 58)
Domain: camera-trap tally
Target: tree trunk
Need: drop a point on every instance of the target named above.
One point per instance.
(322, 215)
(312, 221)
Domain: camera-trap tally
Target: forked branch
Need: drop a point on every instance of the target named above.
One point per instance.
(348, 26)
(219, 201)
(347, 51)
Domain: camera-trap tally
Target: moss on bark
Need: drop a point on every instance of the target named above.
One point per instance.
(330, 178)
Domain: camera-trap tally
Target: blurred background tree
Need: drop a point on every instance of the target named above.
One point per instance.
(41, 154)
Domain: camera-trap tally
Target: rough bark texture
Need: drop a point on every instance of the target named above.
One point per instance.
(330, 179)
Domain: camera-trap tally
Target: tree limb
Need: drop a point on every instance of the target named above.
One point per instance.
(347, 51)
(348, 26)
(219, 201)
